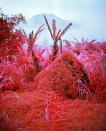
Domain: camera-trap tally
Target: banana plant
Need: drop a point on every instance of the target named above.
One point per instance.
(31, 40)
(56, 36)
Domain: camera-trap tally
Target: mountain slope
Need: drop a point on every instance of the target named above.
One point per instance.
(78, 29)
(36, 21)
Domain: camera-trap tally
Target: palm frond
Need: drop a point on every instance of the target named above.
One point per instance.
(66, 28)
(48, 26)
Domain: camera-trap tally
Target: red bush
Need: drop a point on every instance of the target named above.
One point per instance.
(11, 77)
(10, 38)
(93, 57)
(64, 75)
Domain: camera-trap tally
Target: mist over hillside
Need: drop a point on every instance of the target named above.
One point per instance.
(77, 30)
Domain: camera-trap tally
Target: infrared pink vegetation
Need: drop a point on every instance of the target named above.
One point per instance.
(48, 89)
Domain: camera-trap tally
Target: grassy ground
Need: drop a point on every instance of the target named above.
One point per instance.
(38, 110)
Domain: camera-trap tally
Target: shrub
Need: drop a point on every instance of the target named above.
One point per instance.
(10, 38)
(64, 76)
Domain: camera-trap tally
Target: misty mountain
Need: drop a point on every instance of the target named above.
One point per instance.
(36, 21)
(78, 29)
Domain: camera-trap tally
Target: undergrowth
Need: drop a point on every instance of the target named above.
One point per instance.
(19, 68)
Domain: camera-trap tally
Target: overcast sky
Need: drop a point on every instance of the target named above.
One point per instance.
(64, 8)
(89, 13)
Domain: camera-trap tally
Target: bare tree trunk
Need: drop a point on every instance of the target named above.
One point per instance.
(54, 51)
(35, 62)
(60, 45)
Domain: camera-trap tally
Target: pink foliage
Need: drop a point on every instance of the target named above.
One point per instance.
(10, 38)
(18, 68)
(65, 75)
(93, 56)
